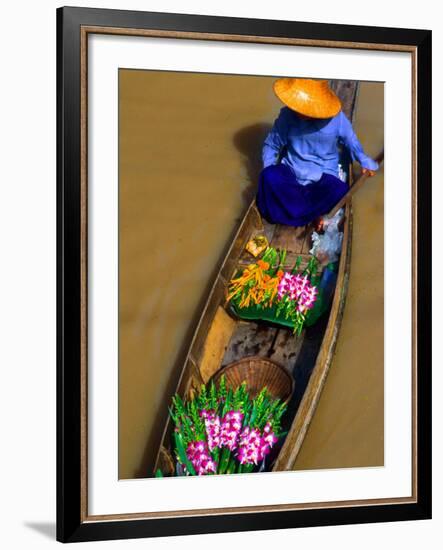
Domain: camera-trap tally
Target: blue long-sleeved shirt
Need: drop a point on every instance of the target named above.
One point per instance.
(312, 145)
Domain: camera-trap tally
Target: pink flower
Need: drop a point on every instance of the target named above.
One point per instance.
(205, 466)
(198, 454)
(242, 455)
(250, 446)
(230, 429)
(307, 299)
(299, 289)
(212, 425)
(270, 438)
(236, 416)
(254, 446)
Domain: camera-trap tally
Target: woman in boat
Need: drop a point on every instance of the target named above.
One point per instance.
(300, 180)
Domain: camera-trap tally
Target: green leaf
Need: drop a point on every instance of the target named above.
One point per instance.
(282, 258)
(213, 396)
(159, 473)
(231, 466)
(224, 460)
(172, 415)
(202, 399)
(297, 264)
(215, 453)
(180, 448)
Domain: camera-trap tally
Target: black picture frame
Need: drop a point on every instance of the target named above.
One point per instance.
(71, 524)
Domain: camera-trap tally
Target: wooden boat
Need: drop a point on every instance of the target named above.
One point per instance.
(220, 338)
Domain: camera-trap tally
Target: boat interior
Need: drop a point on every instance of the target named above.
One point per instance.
(221, 338)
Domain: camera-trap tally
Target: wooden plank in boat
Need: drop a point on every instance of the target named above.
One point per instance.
(252, 223)
(289, 238)
(296, 241)
(286, 348)
(249, 339)
(254, 339)
(216, 343)
(269, 229)
(217, 297)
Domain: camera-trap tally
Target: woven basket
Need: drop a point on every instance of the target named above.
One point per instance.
(258, 372)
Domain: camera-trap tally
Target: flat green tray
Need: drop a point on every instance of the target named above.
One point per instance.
(255, 313)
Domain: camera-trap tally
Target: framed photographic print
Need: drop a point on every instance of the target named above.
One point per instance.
(244, 307)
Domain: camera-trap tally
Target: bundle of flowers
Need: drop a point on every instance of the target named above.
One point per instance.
(221, 431)
(258, 283)
(265, 285)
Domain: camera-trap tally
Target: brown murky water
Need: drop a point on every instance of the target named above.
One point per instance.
(189, 159)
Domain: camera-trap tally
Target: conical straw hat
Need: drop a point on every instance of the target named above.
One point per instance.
(312, 98)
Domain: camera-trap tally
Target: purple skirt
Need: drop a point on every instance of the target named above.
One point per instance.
(281, 199)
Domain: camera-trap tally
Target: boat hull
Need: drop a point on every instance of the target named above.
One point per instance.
(220, 338)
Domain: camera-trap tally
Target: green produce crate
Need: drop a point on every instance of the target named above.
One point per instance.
(256, 313)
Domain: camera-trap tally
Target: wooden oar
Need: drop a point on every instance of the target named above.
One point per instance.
(357, 185)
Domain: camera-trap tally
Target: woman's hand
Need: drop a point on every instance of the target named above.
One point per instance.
(367, 172)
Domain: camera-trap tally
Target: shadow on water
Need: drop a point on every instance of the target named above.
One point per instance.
(146, 468)
(248, 141)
